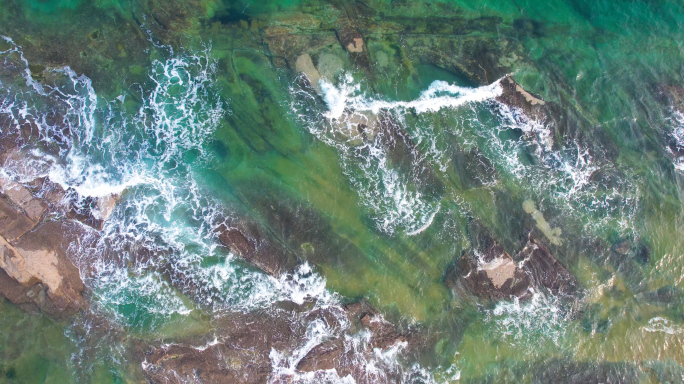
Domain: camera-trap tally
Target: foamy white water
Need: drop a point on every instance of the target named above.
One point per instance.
(677, 123)
(163, 214)
(438, 95)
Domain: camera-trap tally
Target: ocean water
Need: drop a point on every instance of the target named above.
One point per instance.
(195, 113)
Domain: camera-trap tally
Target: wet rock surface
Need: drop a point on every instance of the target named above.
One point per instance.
(516, 96)
(489, 274)
(257, 247)
(321, 41)
(274, 346)
(545, 271)
(38, 271)
(39, 222)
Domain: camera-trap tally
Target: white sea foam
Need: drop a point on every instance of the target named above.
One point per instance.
(564, 174)
(368, 364)
(540, 318)
(660, 324)
(677, 123)
(395, 198)
(438, 95)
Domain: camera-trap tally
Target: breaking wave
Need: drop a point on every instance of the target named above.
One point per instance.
(677, 122)
(524, 323)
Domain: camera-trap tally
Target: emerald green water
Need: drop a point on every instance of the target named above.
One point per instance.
(607, 66)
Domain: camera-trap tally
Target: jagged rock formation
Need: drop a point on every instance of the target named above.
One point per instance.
(516, 96)
(489, 273)
(247, 347)
(35, 268)
(35, 234)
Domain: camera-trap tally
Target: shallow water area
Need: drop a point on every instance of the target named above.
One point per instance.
(321, 192)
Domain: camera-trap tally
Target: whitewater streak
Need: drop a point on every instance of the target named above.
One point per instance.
(438, 95)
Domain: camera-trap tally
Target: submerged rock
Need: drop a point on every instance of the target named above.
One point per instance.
(669, 294)
(622, 247)
(305, 65)
(571, 372)
(257, 247)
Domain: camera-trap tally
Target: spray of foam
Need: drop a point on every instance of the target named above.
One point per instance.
(677, 122)
(368, 364)
(152, 251)
(660, 324)
(395, 198)
(439, 95)
(542, 317)
(565, 174)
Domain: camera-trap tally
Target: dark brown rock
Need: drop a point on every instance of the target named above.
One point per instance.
(384, 333)
(257, 248)
(32, 207)
(83, 210)
(13, 222)
(497, 279)
(323, 356)
(239, 354)
(352, 41)
(546, 271)
(489, 273)
(516, 96)
(240, 349)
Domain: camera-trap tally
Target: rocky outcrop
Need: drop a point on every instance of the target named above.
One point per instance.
(489, 273)
(246, 347)
(351, 39)
(257, 247)
(22, 197)
(238, 354)
(545, 271)
(36, 271)
(35, 233)
(516, 96)
(344, 358)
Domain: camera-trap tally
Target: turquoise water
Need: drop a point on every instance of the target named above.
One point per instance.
(195, 112)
